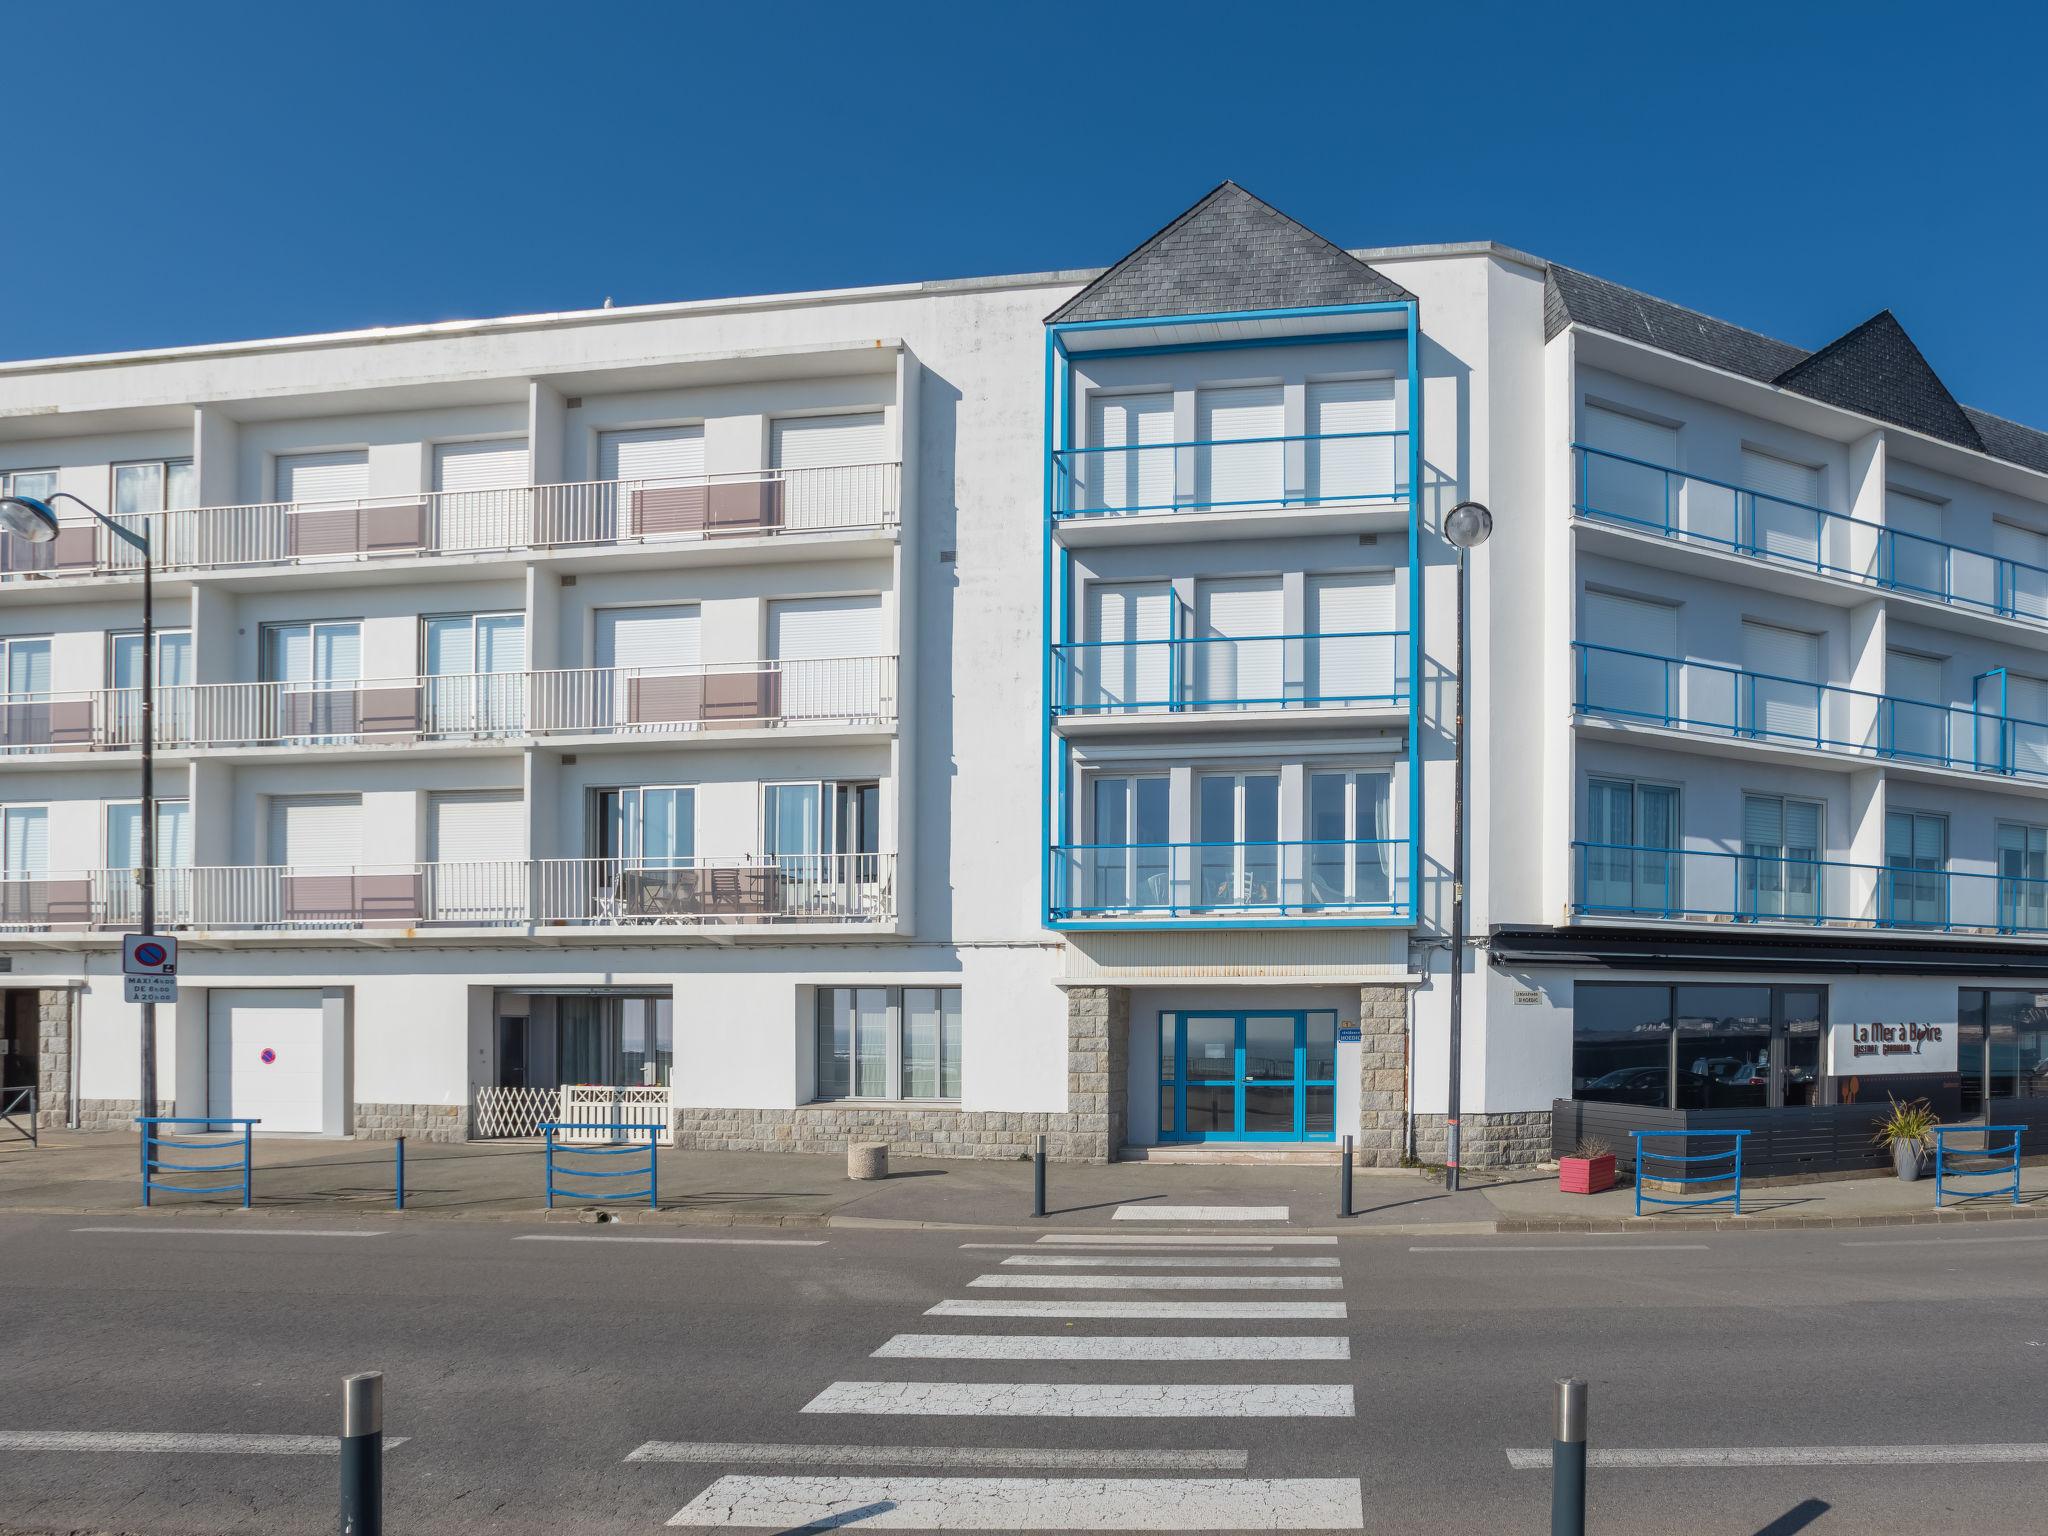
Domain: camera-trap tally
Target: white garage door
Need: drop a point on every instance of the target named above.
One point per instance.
(264, 1057)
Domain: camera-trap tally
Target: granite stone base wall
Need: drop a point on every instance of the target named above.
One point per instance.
(1512, 1139)
(1383, 1077)
(116, 1114)
(1090, 1130)
(53, 1056)
(415, 1122)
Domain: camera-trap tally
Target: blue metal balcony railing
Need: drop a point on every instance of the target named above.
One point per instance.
(1618, 683)
(1365, 877)
(1630, 880)
(1231, 474)
(1344, 670)
(1693, 509)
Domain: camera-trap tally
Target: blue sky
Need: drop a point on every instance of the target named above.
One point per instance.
(182, 172)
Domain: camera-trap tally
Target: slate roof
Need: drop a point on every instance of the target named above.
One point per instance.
(1227, 254)
(1874, 370)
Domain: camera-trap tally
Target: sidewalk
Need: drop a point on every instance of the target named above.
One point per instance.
(96, 1174)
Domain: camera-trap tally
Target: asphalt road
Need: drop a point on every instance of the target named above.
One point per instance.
(525, 1373)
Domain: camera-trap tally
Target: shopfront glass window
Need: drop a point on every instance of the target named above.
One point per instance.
(1621, 1044)
(1970, 1051)
(1802, 1011)
(1724, 1048)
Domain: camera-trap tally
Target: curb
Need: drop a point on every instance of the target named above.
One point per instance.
(1947, 1216)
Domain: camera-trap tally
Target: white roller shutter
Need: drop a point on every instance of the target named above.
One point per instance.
(1118, 673)
(815, 627)
(1780, 522)
(266, 1057)
(1134, 470)
(1916, 559)
(484, 502)
(1628, 665)
(1233, 472)
(651, 453)
(1619, 481)
(817, 442)
(2026, 706)
(1342, 468)
(497, 464)
(477, 826)
(316, 832)
(1919, 724)
(2023, 577)
(341, 476)
(1631, 436)
(1785, 661)
(1240, 661)
(665, 638)
(1353, 657)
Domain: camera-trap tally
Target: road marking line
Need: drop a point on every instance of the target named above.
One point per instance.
(1132, 1245)
(1641, 1247)
(1100, 1347)
(1083, 1400)
(735, 1242)
(1942, 1242)
(1028, 1504)
(1206, 1311)
(1157, 1282)
(1200, 1213)
(1793, 1456)
(155, 1231)
(1161, 1261)
(158, 1443)
(866, 1456)
(1184, 1240)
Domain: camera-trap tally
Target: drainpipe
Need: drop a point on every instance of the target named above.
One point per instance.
(1408, 1096)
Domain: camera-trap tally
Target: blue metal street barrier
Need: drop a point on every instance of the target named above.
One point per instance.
(2001, 1160)
(619, 1147)
(155, 1142)
(1731, 1174)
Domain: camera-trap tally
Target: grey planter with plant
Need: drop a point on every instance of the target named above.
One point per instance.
(1909, 1132)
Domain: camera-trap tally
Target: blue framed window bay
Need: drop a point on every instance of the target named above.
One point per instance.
(1361, 459)
(1250, 1076)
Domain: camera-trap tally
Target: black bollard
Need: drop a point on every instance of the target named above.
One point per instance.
(1568, 1461)
(1038, 1177)
(1344, 1181)
(400, 1185)
(362, 1454)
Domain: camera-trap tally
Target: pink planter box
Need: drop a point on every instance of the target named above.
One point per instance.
(1585, 1175)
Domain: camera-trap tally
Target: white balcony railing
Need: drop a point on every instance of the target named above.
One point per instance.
(599, 512)
(850, 690)
(504, 893)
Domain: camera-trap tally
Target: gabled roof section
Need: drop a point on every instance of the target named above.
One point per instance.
(1570, 296)
(1876, 370)
(1228, 254)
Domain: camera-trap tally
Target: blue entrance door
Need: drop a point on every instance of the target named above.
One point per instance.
(1248, 1076)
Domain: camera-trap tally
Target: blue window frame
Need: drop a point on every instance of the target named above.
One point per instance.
(1269, 1075)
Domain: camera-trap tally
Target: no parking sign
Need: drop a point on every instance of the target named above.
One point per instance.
(149, 968)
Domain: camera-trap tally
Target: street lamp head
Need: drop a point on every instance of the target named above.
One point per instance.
(1468, 524)
(27, 518)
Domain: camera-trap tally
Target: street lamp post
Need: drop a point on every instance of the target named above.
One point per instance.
(1467, 526)
(34, 519)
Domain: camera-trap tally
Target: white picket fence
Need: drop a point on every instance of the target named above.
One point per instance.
(502, 1113)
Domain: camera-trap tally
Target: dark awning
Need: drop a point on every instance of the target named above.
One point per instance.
(1729, 948)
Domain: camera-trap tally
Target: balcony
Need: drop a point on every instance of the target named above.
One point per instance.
(1621, 880)
(1728, 704)
(849, 691)
(1259, 479)
(531, 895)
(1353, 882)
(1693, 510)
(1120, 683)
(517, 520)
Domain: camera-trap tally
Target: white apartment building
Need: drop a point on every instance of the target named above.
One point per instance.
(955, 711)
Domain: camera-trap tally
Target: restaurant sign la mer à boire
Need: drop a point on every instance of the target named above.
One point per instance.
(1867, 1050)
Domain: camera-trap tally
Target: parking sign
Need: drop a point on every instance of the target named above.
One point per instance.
(149, 955)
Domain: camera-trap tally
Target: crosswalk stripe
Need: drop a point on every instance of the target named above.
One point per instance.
(1200, 1213)
(1158, 1282)
(1185, 1240)
(1027, 1504)
(869, 1456)
(155, 1442)
(1535, 1459)
(143, 1228)
(1087, 1400)
(1105, 1348)
(1130, 1245)
(1205, 1311)
(1161, 1261)
(718, 1242)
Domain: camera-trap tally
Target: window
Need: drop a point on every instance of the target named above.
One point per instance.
(173, 860)
(2022, 877)
(654, 827)
(473, 666)
(1349, 860)
(888, 1043)
(1697, 1047)
(2002, 1046)
(1237, 840)
(1915, 888)
(1127, 862)
(39, 483)
(25, 707)
(823, 832)
(159, 485)
(174, 679)
(1129, 462)
(614, 1042)
(1781, 873)
(1132, 660)
(1630, 860)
